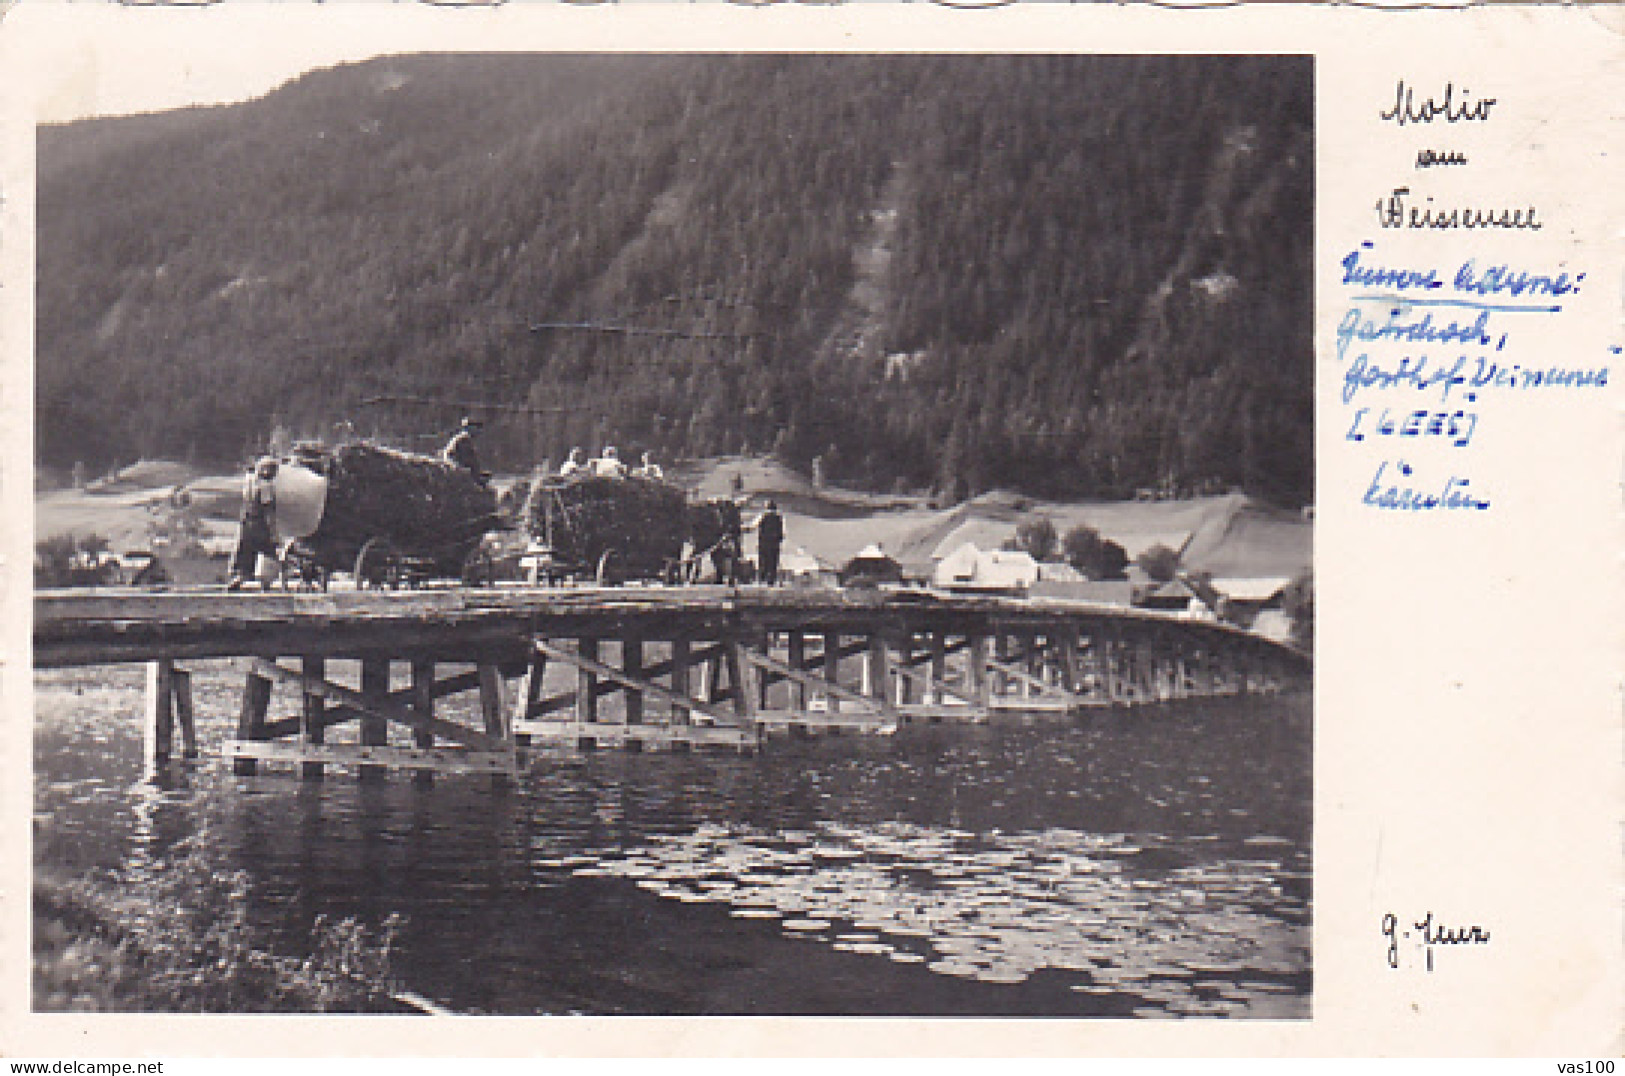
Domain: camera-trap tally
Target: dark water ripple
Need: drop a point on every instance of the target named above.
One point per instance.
(1152, 864)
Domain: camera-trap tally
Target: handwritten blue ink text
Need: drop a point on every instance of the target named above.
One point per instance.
(1453, 495)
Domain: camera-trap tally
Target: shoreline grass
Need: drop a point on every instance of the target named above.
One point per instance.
(180, 939)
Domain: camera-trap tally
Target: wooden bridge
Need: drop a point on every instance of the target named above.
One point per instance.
(654, 667)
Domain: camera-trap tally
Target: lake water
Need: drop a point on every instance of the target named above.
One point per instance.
(1146, 863)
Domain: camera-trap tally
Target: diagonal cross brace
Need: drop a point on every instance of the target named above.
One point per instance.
(818, 683)
(609, 672)
(942, 689)
(315, 685)
(1024, 676)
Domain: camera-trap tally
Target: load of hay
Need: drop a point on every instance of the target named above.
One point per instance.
(423, 505)
(640, 522)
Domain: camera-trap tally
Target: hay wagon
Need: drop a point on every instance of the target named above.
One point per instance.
(392, 519)
(606, 529)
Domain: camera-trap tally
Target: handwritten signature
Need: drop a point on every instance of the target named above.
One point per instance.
(1424, 936)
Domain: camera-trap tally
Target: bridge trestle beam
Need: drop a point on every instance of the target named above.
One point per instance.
(167, 703)
(302, 739)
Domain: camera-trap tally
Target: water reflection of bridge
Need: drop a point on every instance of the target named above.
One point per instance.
(637, 667)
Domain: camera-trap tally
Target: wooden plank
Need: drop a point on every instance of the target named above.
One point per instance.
(877, 669)
(763, 681)
(976, 670)
(739, 676)
(158, 729)
(313, 714)
(632, 663)
(435, 759)
(797, 659)
(943, 712)
(682, 659)
(535, 682)
(423, 706)
(493, 708)
(106, 626)
(180, 683)
(564, 700)
(649, 734)
(689, 705)
(379, 708)
(832, 669)
(939, 667)
(251, 721)
(586, 679)
(870, 721)
(1036, 704)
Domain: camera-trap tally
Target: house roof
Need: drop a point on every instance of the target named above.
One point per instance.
(1257, 589)
(968, 566)
(976, 531)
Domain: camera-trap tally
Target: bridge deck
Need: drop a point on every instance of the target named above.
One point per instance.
(88, 627)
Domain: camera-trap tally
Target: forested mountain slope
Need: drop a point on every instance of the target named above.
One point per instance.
(1068, 275)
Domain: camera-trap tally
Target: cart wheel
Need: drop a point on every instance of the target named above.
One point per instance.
(606, 569)
(375, 565)
(478, 568)
(301, 570)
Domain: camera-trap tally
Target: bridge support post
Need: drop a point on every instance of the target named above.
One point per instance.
(587, 683)
(251, 721)
(312, 717)
(681, 665)
(632, 663)
(530, 693)
(423, 705)
(832, 667)
(796, 656)
(494, 710)
(158, 731)
(374, 727)
(167, 703)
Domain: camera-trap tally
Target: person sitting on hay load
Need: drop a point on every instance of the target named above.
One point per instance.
(460, 450)
(609, 464)
(255, 534)
(573, 465)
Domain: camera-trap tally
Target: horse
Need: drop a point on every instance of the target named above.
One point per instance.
(717, 529)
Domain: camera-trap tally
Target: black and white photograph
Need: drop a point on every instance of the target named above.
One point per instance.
(680, 534)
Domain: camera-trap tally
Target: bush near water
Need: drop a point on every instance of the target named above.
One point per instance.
(177, 937)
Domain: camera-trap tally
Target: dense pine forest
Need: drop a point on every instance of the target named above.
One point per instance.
(1072, 276)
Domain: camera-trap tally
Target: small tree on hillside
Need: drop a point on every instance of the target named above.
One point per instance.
(1159, 562)
(1038, 538)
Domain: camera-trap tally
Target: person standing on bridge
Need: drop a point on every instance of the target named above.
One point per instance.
(769, 538)
(256, 534)
(460, 449)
